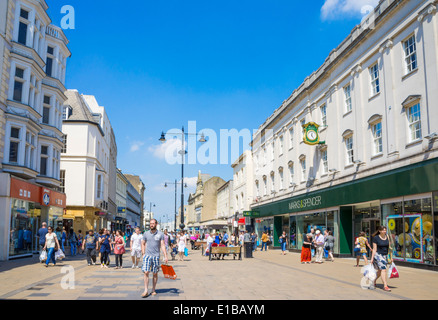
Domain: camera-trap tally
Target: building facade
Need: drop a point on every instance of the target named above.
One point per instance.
(139, 186)
(374, 102)
(225, 209)
(243, 189)
(121, 201)
(85, 162)
(33, 57)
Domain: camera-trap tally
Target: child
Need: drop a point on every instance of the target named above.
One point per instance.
(174, 251)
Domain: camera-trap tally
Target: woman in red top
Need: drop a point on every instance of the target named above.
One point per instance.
(306, 254)
(119, 249)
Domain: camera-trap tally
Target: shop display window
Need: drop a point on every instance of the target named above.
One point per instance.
(21, 238)
(410, 226)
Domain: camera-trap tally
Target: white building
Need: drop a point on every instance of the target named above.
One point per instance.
(243, 186)
(33, 57)
(225, 208)
(85, 164)
(375, 100)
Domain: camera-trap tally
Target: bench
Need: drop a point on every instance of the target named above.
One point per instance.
(226, 250)
(200, 245)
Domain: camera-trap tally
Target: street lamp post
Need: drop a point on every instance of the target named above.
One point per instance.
(176, 184)
(183, 153)
(150, 210)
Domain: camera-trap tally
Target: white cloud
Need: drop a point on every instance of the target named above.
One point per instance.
(168, 151)
(136, 145)
(191, 182)
(339, 9)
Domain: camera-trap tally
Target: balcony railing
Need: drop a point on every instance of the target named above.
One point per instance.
(57, 33)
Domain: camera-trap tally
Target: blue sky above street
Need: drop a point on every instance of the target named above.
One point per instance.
(156, 65)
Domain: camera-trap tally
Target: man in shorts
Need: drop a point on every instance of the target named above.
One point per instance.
(153, 241)
(136, 239)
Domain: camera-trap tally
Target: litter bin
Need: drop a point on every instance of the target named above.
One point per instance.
(248, 249)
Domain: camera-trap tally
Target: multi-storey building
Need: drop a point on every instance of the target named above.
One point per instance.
(243, 188)
(33, 57)
(225, 209)
(121, 201)
(375, 100)
(135, 181)
(85, 162)
(203, 205)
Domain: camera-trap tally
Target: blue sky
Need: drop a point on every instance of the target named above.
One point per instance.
(156, 65)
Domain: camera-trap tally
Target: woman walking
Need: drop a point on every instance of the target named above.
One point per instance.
(80, 239)
(330, 241)
(306, 254)
(63, 238)
(51, 244)
(319, 242)
(380, 255)
(361, 248)
(119, 249)
(182, 242)
(105, 249)
(283, 242)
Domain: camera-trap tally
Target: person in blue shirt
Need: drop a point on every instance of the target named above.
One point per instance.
(42, 235)
(105, 248)
(225, 237)
(90, 246)
(63, 239)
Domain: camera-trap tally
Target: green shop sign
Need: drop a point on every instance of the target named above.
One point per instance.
(409, 180)
(251, 214)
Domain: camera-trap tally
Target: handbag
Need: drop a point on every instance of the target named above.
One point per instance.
(186, 252)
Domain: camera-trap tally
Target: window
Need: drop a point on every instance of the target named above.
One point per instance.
(29, 150)
(265, 160)
(257, 188)
(22, 33)
(280, 172)
(349, 148)
(281, 144)
(325, 168)
(272, 182)
(14, 145)
(377, 138)
(49, 61)
(99, 187)
(414, 120)
(324, 115)
(273, 150)
(375, 82)
(291, 138)
(347, 94)
(44, 160)
(410, 50)
(303, 170)
(64, 144)
(62, 179)
(291, 174)
(265, 186)
(303, 122)
(18, 84)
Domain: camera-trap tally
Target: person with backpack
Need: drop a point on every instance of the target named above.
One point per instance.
(73, 241)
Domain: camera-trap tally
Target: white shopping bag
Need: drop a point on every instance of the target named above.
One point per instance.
(369, 276)
(43, 256)
(59, 255)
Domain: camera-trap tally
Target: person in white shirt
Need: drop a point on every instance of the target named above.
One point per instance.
(136, 239)
(182, 242)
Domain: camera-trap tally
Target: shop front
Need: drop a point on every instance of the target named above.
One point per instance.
(405, 200)
(29, 206)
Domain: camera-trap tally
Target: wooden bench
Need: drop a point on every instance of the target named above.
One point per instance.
(226, 250)
(198, 244)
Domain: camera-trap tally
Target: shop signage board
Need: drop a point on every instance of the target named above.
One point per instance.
(412, 179)
(30, 192)
(251, 214)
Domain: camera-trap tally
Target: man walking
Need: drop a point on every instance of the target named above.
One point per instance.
(136, 239)
(153, 241)
(42, 236)
(90, 246)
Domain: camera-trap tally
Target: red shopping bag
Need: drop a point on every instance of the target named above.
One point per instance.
(168, 272)
(394, 272)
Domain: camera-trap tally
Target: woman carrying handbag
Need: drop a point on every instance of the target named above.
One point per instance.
(119, 249)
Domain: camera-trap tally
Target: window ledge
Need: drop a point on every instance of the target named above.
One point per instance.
(379, 155)
(413, 143)
(409, 74)
(374, 97)
(348, 166)
(323, 129)
(347, 113)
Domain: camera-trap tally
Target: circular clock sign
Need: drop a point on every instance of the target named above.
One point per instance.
(46, 199)
(311, 135)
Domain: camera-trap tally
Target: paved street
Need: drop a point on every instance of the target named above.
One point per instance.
(268, 276)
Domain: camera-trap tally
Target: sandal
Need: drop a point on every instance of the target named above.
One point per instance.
(387, 289)
(145, 295)
(153, 293)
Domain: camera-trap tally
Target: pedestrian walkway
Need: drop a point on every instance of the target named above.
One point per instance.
(267, 276)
